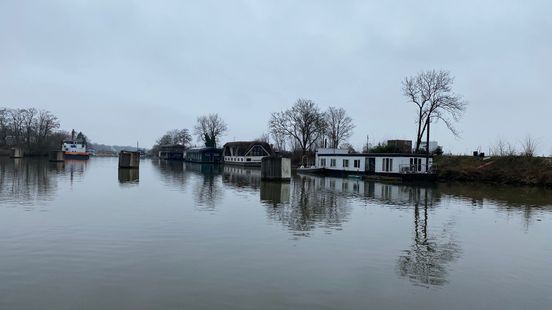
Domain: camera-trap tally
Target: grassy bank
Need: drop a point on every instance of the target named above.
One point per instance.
(504, 170)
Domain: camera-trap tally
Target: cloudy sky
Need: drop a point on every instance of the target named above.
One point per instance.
(123, 71)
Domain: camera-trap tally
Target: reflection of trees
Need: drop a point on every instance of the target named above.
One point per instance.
(310, 207)
(172, 173)
(427, 260)
(26, 181)
(207, 190)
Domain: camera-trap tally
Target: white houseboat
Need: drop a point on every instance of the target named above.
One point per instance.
(246, 153)
(74, 149)
(337, 161)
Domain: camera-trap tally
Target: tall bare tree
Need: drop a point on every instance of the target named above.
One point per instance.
(210, 128)
(431, 92)
(303, 123)
(339, 126)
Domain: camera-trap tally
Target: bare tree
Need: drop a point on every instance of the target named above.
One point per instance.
(529, 146)
(303, 123)
(209, 129)
(503, 148)
(431, 92)
(280, 141)
(339, 126)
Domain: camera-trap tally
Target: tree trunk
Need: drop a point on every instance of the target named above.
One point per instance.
(419, 135)
(427, 145)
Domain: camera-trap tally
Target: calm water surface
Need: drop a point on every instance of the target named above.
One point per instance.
(83, 235)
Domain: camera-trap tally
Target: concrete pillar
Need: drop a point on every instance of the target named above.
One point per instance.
(129, 159)
(17, 152)
(276, 168)
(55, 156)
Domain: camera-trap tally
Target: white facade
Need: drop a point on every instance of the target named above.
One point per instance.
(253, 156)
(372, 163)
(73, 147)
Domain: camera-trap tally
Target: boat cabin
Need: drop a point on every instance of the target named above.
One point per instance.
(246, 153)
(340, 161)
(207, 155)
(172, 152)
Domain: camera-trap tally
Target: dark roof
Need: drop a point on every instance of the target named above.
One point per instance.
(203, 150)
(172, 147)
(244, 146)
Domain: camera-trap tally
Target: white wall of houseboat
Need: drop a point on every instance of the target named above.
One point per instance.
(383, 164)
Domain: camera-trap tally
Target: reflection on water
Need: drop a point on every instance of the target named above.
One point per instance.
(208, 188)
(242, 178)
(431, 252)
(275, 193)
(336, 243)
(129, 176)
(28, 181)
(310, 207)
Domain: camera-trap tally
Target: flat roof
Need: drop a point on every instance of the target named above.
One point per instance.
(375, 155)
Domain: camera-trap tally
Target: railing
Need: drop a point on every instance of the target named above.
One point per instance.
(413, 169)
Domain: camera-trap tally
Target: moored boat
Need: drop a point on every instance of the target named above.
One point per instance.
(73, 149)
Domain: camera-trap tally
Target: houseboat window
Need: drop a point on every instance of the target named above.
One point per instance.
(416, 164)
(332, 162)
(257, 150)
(356, 163)
(387, 164)
(322, 162)
(345, 163)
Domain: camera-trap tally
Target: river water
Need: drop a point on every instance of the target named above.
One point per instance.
(84, 235)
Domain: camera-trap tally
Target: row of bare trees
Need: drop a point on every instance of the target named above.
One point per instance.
(304, 127)
(208, 129)
(527, 147)
(29, 128)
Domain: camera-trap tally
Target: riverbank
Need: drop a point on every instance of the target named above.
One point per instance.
(517, 170)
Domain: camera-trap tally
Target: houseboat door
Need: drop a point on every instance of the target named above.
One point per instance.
(370, 165)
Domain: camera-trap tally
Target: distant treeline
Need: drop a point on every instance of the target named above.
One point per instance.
(36, 131)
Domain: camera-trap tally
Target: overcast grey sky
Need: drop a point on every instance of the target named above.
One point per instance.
(123, 71)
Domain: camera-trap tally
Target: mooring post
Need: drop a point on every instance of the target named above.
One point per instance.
(129, 160)
(17, 152)
(56, 156)
(276, 168)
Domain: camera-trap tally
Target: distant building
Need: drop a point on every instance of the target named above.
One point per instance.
(172, 152)
(433, 145)
(205, 155)
(246, 153)
(401, 146)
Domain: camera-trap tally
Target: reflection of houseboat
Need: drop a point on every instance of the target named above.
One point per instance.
(246, 153)
(73, 149)
(402, 165)
(205, 155)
